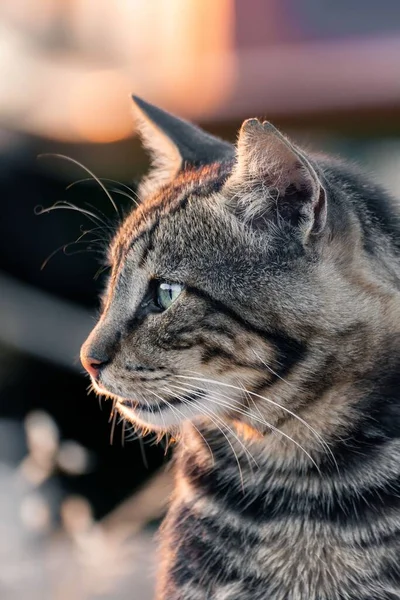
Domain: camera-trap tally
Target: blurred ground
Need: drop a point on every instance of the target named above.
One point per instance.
(51, 547)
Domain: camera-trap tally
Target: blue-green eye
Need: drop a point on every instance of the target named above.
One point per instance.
(167, 293)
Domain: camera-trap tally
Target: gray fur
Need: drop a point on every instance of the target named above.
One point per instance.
(289, 490)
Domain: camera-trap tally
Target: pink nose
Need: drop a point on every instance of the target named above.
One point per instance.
(92, 365)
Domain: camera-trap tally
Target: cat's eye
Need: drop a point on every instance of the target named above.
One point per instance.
(167, 293)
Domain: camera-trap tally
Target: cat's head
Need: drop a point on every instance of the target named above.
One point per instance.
(221, 277)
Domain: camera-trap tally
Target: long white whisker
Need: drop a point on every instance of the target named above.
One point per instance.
(198, 393)
(180, 412)
(271, 370)
(125, 194)
(272, 402)
(64, 205)
(254, 405)
(112, 181)
(213, 419)
(265, 423)
(174, 408)
(285, 381)
(88, 171)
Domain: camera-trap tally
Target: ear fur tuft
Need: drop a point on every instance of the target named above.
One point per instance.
(272, 178)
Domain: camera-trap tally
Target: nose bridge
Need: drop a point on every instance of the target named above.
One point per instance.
(102, 341)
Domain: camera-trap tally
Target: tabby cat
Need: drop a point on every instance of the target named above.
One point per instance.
(253, 308)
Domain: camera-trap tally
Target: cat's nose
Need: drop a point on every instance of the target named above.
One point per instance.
(99, 348)
(92, 364)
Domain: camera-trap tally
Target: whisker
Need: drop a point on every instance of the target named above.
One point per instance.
(65, 247)
(123, 432)
(114, 418)
(271, 370)
(101, 215)
(272, 402)
(99, 271)
(180, 412)
(122, 193)
(114, 403)
(198, 393)
(51, 255)
(212, 418)
(90, 388)
(272, 428)
(254, 405)
(323, 442)
(110, 180)
(64, 205)
(95, 241)
(265, 423)
(79, 240)
(88, 171)
(219, 423)
(142, 452)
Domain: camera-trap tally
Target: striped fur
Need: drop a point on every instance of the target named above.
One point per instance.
(278, 367)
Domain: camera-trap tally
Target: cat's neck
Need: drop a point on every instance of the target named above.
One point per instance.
(351, 415)
(295, 463)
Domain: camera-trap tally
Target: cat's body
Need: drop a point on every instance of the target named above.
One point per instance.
(284, 535)
(277, 358)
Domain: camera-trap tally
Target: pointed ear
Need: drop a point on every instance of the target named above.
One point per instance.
(273, 179)
(173, 144)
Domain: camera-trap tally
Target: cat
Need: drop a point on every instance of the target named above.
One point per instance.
(253, 310)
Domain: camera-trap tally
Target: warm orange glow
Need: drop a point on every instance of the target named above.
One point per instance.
(98, 107)
(247, 432)
(68, 66)
(197, 54)
(176, 53)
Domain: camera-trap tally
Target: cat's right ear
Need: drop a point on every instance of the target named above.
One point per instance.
(273, 180)
(173, 144)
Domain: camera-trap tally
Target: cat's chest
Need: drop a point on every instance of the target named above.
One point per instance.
(215, 548)
(250, 529)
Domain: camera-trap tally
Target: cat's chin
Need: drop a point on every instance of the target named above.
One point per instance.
(165, 415)
(161, 416)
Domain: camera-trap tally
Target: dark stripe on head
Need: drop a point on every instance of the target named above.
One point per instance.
(289, 350)
(202, 182)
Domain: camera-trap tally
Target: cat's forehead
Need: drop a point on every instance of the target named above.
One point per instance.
(167, 200)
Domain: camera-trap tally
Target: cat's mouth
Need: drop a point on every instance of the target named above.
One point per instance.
(163, 404)
(163, 413)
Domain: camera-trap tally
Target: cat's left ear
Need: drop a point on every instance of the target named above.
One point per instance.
(274, 180)
(173, 144)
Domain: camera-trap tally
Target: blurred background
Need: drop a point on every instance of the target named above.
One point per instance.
(80, 497)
